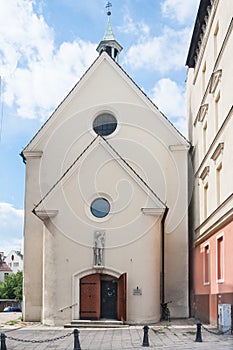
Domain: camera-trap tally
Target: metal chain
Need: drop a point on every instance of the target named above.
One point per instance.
(40, 341)
(219, 332)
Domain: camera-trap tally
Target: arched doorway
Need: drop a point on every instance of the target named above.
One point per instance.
(103, 296)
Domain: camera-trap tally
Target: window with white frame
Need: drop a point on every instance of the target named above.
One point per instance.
(206, 264)
(203, 77)
(217, 99)
(218, 183)
(216, 40)
(220, 258)
(205, 200)
(204, 137)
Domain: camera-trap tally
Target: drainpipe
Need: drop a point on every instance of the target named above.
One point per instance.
(163, 254)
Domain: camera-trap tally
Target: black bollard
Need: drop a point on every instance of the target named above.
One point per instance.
(198, 335)
(3, 342)
(145, 336)
(76, 340)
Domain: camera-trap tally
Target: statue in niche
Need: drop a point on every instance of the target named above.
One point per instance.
(99, 240)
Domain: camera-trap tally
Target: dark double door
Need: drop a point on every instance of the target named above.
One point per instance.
(109, 299)
(103, 296)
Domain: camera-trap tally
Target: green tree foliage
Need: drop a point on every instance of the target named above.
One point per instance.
(12, 287)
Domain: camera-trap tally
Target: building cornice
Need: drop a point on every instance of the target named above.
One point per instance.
(178, 148)
(45, 214)
(32, 154)
(199, 31)
(214, 80)
(215, 221)
(202, 113)
(205, 172)
(153, 211)
(218, 150)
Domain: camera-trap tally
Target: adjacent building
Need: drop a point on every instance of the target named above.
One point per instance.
(5, 270)
(210, 122)
(106, 219)
(15, 261)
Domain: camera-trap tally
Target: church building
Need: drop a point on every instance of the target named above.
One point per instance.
(106, 207)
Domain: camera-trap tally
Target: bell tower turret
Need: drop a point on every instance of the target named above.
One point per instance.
(109, 43)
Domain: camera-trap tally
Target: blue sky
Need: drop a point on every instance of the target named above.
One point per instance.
(47, 45)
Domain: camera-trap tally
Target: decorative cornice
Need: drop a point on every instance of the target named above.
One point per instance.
(218, 150)
(174, 148)
(201, 22)
(205, 172)
(32, 154)
(214, 80)
(152, 211)
(45, 214)
(215, 221)
(202, 112)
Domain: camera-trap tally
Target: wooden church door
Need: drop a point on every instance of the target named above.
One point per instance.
(90, 297)
(103, 296)
(121, 298)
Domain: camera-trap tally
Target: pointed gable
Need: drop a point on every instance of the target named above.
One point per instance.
(104, 83)
(112, 154)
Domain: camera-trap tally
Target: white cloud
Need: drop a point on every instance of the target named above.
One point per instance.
(180, 10)
(36, 74)
(11, 227)
(160, 53)
(171, 100)
(130, 26)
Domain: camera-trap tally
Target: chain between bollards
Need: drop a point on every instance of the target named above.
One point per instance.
(76, 340)
(3, 342)
(145, 336)
(198, 334)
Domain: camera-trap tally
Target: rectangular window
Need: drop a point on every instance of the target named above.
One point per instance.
(15, 264)
(217, 111)
(216, 40)
(207, 264)
(203, 77)
(204, 138)
(205, 200)
(218, 183)
(220, 259)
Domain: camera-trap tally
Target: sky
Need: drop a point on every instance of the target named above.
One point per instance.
(47, 45)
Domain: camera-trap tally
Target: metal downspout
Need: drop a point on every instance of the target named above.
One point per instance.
(163, 255)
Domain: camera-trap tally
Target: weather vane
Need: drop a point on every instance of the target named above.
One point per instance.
(108, 7)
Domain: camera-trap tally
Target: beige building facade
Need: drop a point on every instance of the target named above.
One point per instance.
(106, 215)
(210, 102)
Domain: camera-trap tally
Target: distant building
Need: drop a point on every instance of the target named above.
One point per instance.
(15, 260)
(4, 268)
(210, 111)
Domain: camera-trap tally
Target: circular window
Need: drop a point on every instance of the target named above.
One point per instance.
(100, 207)
(104, 124)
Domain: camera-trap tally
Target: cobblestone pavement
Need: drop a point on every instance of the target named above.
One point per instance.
(175, 335)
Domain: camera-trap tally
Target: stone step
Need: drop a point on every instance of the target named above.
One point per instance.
(95, 324)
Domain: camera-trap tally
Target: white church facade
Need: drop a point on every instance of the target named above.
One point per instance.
(106, 207)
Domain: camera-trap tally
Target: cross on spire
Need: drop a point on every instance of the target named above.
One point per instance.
(108, 5)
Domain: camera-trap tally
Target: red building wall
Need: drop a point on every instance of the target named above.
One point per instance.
(207, 296)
